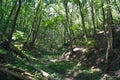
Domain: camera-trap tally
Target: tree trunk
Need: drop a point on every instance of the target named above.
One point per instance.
(82, 18)
(8, 19)
(35, 27)
(68, 24)
(110, 37)
(14, 22)
(92, 15)
(103, 13)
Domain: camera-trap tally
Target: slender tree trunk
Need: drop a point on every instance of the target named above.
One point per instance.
(35, 26)
(31, 32)
(38, 23)
(82, 18)
(92, 15)
(71, 21)
(110, 37)
(64, 36)
(68, 24)
(37, 29)
(9, 16)
(14, 22)
(103, 13)
(65, 33)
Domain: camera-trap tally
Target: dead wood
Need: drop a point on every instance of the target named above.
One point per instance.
(22, 77)
(44, 74)
(10, 47)
(15, 69)
(17, 51)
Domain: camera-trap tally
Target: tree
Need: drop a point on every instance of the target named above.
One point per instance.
(103, 14)
(109, 24)
(35, 25)
(82, 18)
(14, 22)
(93, 15)
(9, 16)
(65, 2)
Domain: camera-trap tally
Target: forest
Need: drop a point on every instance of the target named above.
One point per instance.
(59, 39)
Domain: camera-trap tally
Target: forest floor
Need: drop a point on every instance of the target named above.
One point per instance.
(59, 69)
(88, 66)
(83, 66)
(65, 70)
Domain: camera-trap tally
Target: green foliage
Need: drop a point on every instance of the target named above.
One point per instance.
(19, 36)
(61, 67)
(53, 31)
(90, 42)
(3, 51)
(89, 76)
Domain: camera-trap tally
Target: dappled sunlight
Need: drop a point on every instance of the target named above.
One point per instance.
(59, 40)
(33, 58)
(53, 60)
(80, 72)
(80, 49)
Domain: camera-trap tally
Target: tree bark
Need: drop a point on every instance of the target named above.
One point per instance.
(9, 16)
(15, 69)
(110, 37)
(35, 27)
(14, 22)
(14, 74)
(44, 74)
(103, 13)
(68, 24)
(82, 18)
(92, 15)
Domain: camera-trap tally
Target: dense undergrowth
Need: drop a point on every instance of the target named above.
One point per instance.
(88, 63)
(88, 66)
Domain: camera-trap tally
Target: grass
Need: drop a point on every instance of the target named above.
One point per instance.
(58, 69)
(61, 69)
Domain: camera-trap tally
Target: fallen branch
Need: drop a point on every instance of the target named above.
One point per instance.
(23, 72)
(10, 47)
(17, 51)
(12, 68)
(5, 70)
(44, 74)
